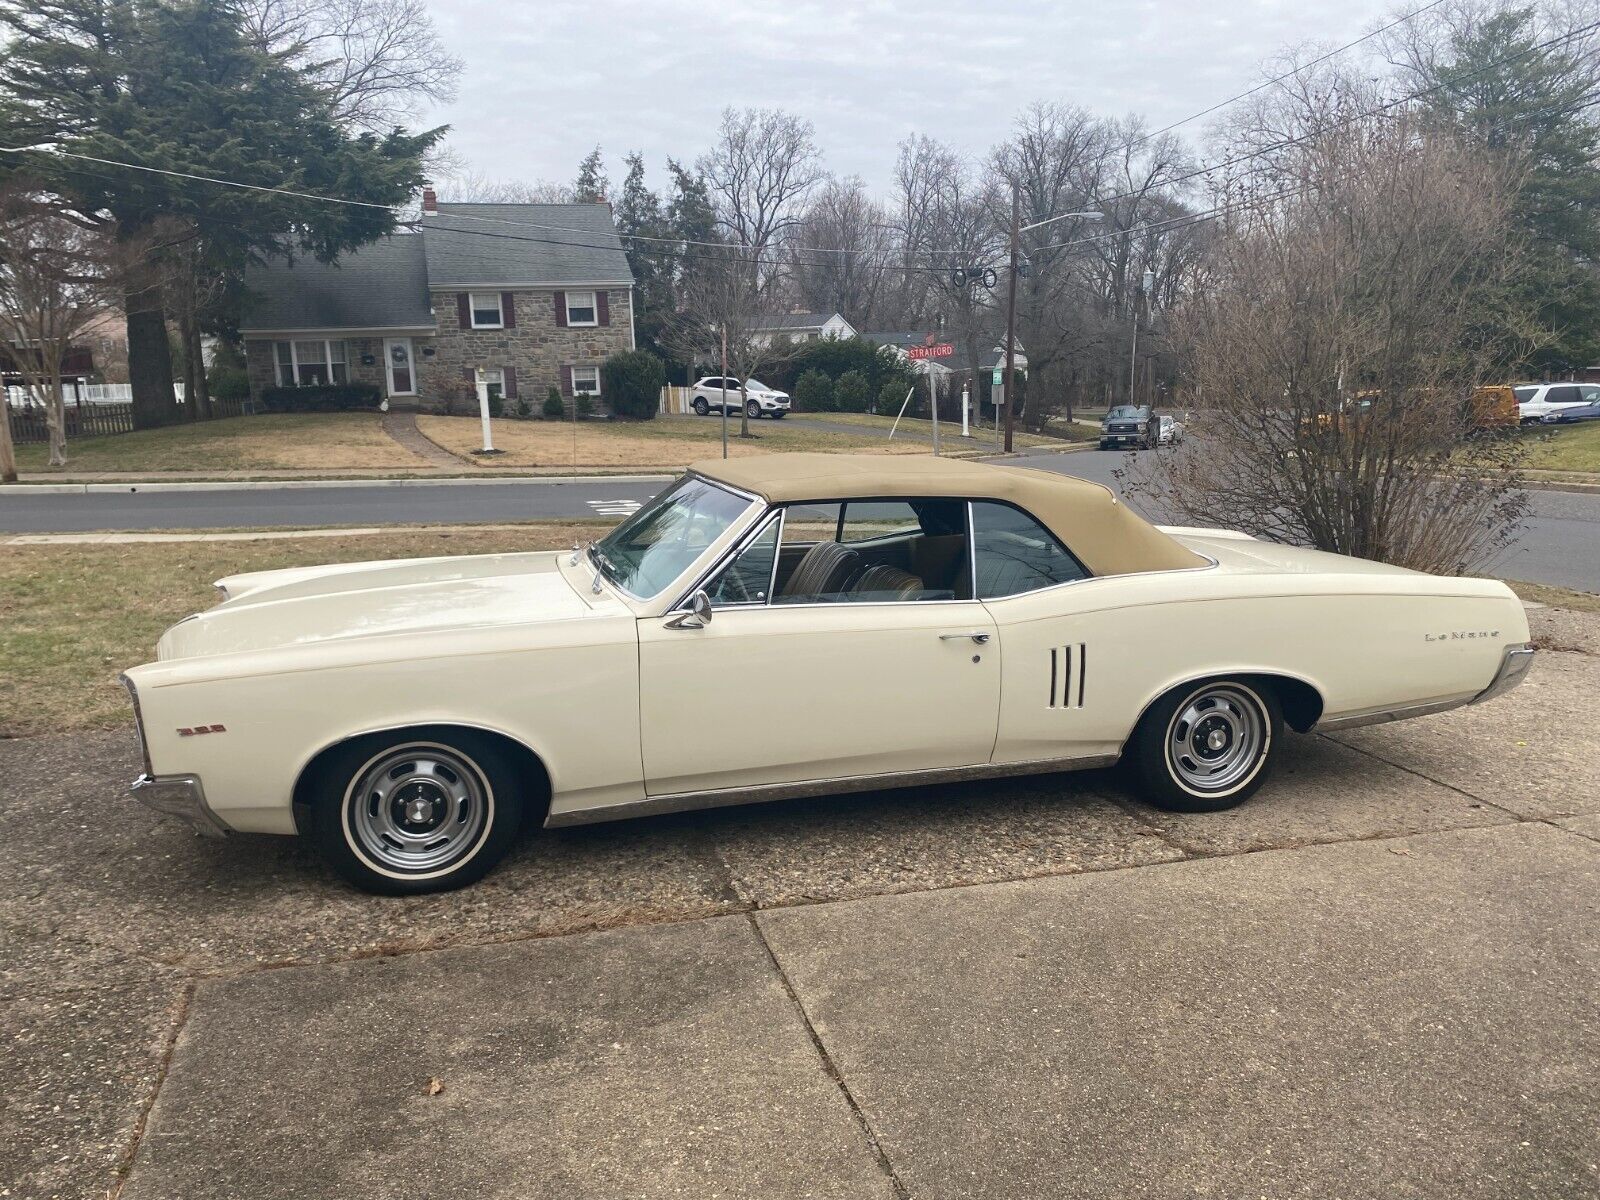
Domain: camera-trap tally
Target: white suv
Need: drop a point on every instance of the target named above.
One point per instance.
(762, 401)
(1536, 400)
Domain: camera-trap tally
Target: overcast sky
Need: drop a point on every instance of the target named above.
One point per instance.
(546, 80)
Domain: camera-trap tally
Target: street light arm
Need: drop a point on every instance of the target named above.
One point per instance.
(1089, 215)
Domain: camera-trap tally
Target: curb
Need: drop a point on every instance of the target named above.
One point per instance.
(268, 485)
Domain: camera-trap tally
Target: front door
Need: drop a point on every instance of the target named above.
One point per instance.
(402, 373)
(853, 649)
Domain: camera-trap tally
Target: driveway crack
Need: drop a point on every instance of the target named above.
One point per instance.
(828, 1066)
(125, 1167)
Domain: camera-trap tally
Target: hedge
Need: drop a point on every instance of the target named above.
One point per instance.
(323, 397)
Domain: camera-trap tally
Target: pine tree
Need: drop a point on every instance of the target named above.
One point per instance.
(178, 87)
(592, 186)
(1535, 105)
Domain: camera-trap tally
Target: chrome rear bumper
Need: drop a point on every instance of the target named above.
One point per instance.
(1514, 665)
(179, 796)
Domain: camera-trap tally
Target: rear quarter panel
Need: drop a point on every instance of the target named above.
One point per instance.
(1365, 642)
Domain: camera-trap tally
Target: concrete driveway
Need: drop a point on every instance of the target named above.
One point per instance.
(1380, 978)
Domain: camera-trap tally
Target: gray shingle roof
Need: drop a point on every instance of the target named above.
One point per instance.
(775, 321)
(506, 244)
(381, 286)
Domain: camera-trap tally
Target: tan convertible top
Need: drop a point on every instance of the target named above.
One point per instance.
(1107, 537)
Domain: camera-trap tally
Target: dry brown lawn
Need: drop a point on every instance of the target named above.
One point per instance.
(73, 616)
(664, 442)
(271, 442)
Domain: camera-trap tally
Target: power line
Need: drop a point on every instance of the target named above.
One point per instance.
(1315, 62)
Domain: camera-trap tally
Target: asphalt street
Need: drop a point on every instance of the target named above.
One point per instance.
(1558, 544)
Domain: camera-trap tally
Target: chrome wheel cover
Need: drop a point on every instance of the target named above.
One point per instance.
(1217, 739)
(417, 810)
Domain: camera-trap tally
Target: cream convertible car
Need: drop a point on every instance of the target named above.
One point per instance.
(782, 626)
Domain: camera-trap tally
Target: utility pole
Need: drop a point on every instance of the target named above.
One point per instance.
(1011, 310)
(724, 389)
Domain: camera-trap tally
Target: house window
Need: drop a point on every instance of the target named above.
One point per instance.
(486, 312)
(581, 310)
(586, 379)
(491, 383)
(306, 363)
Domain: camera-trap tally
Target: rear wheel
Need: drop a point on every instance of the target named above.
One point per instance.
(701, 408)
(1206, 746)
(410, 813)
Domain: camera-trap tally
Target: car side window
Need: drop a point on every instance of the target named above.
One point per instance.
(748, 578)
(1565, 394)
(1013, 553)
(873, 551)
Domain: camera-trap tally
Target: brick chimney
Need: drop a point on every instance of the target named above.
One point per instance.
(430, 201)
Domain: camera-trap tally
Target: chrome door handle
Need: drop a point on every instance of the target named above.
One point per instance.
(976, 635)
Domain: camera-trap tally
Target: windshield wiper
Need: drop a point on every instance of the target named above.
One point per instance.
(603, 566)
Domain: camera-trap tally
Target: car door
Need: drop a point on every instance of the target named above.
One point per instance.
(851, 680)
(1062, 667)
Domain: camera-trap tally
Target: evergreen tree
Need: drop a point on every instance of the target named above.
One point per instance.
(592, 186)
(1535, 105)
(639, 213)
(178, 87)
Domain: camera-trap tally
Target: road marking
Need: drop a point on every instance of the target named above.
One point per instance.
(615, 508)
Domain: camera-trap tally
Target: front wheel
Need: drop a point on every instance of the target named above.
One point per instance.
(411, 813)
(1206, 746)
(752, 410)
(701, 408)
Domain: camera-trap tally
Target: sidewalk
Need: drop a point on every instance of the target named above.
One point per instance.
(1378, 978)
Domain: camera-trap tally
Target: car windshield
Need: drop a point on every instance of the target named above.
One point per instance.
(664, 538)
(755, 385)
(1124, 410)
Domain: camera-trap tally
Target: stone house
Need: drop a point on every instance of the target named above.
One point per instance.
(482, 300)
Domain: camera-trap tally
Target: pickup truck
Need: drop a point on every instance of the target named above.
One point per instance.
(1128, 425)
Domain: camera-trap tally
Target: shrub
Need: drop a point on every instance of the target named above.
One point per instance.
(583, 406)
(891, 396)
(850, 392)
(631, 381)
(497, 405)
(814, 393)
(523, 408)
(554, 408)
(229, 383)
(326, 397)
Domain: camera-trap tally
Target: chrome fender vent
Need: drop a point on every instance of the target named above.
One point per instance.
(1069, 675)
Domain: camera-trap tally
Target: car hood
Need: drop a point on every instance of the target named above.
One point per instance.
(274, 609)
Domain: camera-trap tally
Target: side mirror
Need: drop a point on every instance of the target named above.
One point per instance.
(698, 616)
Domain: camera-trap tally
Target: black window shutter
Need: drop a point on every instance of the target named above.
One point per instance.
(602, 301)
(464, 309)
(561, 309)
(566, 381)
(510, 375)
(508, 309)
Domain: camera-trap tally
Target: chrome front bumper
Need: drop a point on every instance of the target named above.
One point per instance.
(179, 796)
(1514, 665)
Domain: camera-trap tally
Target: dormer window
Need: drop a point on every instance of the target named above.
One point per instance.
(486, 311)
(581, 309)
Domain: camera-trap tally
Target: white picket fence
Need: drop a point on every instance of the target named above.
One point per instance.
(87, 393)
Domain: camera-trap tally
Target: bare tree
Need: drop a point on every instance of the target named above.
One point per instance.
(474, 186)
(1337, 339)
(760, 172)
(52, 286)
(847, 243)
(721, 303)
(381, 60)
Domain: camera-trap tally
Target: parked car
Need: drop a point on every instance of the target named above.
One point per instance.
(715, 392)
(1537, 400)
(1168, 430)
(1127, 425)
(1572, 414)
(880, 621)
